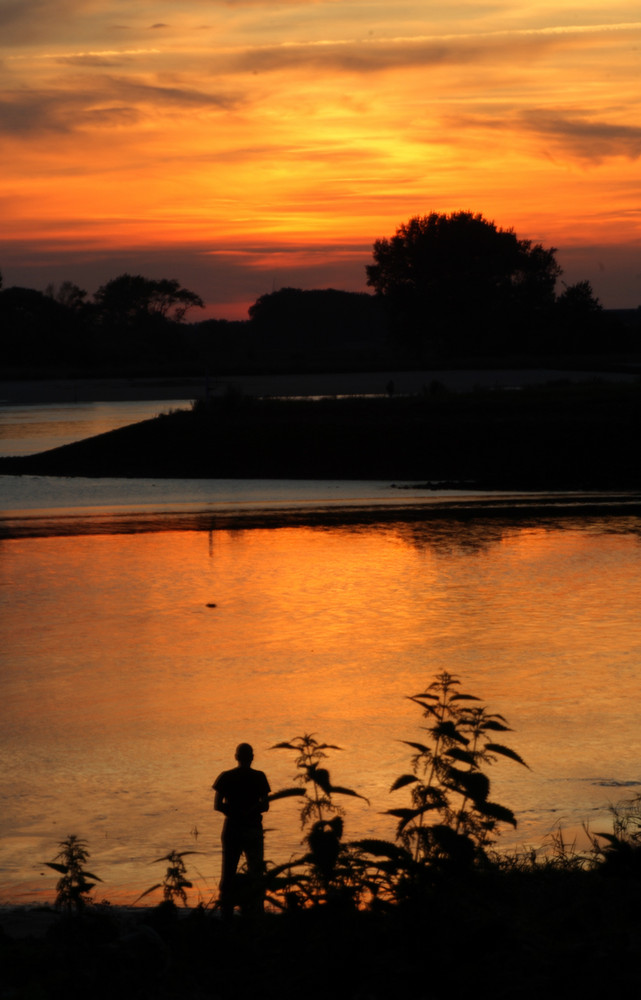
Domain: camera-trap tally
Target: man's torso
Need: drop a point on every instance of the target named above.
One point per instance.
(243, 790)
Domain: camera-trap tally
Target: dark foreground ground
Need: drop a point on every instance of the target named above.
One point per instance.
(550, 935)
(552, 437)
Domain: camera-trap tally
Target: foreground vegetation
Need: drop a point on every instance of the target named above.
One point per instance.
(499, 936)
(559, 436)
(435, 913)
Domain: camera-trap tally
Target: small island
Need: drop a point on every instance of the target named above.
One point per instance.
(559, 436)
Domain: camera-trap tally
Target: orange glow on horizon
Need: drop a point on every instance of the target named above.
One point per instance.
(306, 127)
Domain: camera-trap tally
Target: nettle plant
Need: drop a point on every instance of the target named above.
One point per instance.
(325, 873)
(452, 820)
(74, 887)
(175, 880)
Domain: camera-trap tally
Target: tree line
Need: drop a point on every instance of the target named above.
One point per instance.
(446, 288)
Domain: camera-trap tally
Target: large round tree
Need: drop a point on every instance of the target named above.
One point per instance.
(459, 282)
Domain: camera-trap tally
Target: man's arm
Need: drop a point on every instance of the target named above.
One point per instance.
(263, 801)
(220, 804)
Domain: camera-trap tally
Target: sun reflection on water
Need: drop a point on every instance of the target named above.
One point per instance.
(135, 663)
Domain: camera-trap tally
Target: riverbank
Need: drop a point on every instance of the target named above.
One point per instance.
(32, 392)
(499, 936)
(550, 437)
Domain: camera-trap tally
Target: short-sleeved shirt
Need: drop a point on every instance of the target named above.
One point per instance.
(243, 790)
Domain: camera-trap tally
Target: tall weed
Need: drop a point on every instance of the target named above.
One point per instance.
(326, 873)
(73, 889)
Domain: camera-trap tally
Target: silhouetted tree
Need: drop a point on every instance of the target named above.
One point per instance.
(137, 322)
(132, 300)
(34, 328)
(67, 294)
(579, 319)
(458, 282)
(318, 324)
(131, 324)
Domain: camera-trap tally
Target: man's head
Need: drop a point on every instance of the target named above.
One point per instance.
(244, 754)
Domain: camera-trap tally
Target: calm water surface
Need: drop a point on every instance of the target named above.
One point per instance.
(27, 430)
(124, 692)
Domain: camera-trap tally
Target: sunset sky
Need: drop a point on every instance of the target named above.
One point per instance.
(246, 145)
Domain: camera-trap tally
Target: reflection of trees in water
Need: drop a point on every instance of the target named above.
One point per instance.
(446, 536)
(460, 533)
(616, 526)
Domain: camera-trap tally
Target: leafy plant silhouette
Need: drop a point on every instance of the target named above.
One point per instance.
(175, 880)
(74, 888)
(448, 781)
(327, 870)
(621, 853)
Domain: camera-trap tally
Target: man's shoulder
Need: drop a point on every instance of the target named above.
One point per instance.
(223, 777)
(239, 777)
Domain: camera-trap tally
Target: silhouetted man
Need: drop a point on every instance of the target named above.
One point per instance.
(242, 797)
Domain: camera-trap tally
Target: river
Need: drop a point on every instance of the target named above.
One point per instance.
(138, 653)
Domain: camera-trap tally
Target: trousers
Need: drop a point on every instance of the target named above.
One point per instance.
(236, 841)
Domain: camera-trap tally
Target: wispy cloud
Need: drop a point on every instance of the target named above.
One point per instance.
(378, 54)
(574, 133)
(580, 135)
(291, 130)
(160, 95)
(39, 113)
(103, 101)
(91, 60)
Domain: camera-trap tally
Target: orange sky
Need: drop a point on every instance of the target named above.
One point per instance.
(245, 145)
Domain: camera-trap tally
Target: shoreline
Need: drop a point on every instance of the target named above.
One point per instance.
(35, 392)
(524, 510)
